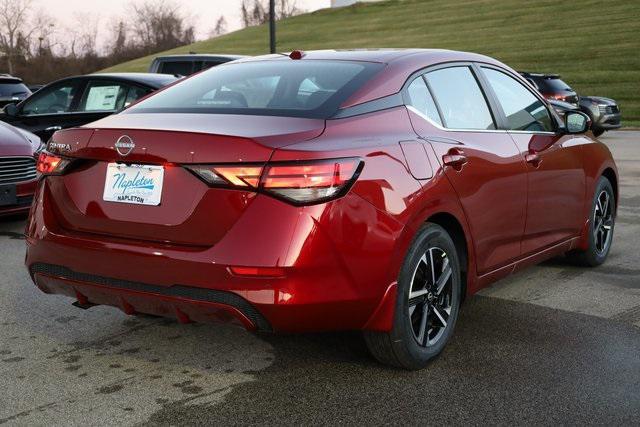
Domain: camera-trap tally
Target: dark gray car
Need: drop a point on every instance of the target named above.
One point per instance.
(603, 112)
(79, 100)
(12, 90)
(185, 65)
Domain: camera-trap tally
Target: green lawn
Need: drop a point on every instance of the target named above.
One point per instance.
(594, 45)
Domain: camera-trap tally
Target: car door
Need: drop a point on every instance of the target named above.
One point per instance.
(49, 109)
(482, 163)
(556, 178)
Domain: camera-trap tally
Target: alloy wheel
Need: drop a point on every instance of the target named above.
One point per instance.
(431, 297)
(603, 223)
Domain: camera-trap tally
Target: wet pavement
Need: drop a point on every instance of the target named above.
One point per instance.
(552, 344)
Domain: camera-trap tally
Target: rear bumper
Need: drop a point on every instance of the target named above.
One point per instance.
(335, 275)
(184, 303)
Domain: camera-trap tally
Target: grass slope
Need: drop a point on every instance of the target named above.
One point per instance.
(594, 45)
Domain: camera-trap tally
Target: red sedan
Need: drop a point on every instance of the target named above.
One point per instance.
(17, 169)
(326, 190)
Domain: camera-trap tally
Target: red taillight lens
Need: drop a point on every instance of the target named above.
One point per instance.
(247, 176)
(240, 176)
(51, 164)
(310, 182)
(297, 182)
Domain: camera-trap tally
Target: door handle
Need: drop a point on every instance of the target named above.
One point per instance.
(455, 158)
(533, 159)
(53, 128)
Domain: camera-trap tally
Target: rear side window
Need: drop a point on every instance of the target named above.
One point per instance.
(524, 111)
(312, 89)
(460, 99)
(182, 68)
(103, 96)
(10, 88)
(208, 64)
(134, 94)
(421, 100)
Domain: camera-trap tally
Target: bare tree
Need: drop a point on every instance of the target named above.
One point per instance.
(81, 36)
(220, 28)
(256, 12)
(158, 25)
(14, 16)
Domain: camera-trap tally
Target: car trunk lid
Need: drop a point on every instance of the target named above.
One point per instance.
(189, 212)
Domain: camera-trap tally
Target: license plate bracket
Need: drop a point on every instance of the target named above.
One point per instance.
(133, 184)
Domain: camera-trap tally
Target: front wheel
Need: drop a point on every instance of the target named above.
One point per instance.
(597, 132)
(601, 225)
(427, 304)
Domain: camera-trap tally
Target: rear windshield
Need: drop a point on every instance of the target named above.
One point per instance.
(181, 68)
(12, 89)
(553, 85)
(311, 88)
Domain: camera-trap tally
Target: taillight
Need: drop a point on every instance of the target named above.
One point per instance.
(305, 182)
(310, 182)
(51, 164)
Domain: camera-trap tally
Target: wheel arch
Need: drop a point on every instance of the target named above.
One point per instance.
(453, 227)
(610, 174)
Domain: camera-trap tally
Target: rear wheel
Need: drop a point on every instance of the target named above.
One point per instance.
(601, 225)
(597, 132)
(427, 303)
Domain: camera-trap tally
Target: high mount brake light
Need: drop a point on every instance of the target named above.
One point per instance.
(51, 164)
(305, 182)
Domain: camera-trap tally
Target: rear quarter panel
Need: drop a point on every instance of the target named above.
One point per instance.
(386, 206)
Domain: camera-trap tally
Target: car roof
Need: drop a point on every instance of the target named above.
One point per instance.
(195, 56)
(539, 75)
(8, 78)
(153, 80)
(382, 55)
(400, 65)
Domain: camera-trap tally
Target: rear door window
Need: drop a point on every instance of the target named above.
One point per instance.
(135, 93)
(104, 96)
(461, 101)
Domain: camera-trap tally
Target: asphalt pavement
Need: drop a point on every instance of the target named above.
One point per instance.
(552, 344)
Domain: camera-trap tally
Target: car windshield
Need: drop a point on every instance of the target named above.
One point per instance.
(8, 89)
(312, 88)
(554, 85)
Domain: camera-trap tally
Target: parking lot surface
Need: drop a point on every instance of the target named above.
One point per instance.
(553, 344)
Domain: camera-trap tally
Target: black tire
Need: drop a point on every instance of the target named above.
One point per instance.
(400, 346)
(597, 132)
(597, 252)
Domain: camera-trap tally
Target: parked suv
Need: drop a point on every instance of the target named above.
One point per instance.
(603, 112)
(552, 87)
(185, 65)
(12, 90)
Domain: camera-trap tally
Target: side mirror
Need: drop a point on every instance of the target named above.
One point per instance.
(576, 122)
(10, 110)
